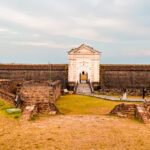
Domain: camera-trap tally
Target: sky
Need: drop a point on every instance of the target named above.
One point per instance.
(43, 31)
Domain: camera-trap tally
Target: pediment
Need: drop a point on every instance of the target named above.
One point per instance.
(82, 50)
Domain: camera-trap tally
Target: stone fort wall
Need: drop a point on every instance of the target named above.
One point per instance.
(134, 78)
(112, 77)
(34, 72)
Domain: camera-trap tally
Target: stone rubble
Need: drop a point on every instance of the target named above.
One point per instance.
(139, 111)
(38, 97)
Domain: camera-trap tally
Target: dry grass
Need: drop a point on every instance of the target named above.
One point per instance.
(75, 132)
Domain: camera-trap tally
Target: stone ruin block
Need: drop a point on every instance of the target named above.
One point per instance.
(38, 97)
(139, 111)
(29, 112)
(124, 109)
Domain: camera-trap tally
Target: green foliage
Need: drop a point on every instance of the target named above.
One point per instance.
(3, 106)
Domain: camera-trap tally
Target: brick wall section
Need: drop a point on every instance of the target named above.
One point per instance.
(124, 110)
(7, 89)
(39, 94)
(8, 97)
(139, 111)
(33, 92)
(9, 85)
(55, 91)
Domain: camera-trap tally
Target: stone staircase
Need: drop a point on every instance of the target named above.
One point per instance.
(83, 88)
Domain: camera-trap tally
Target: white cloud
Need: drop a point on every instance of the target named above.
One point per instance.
(87, 27)
(9, 31)
(49, 44)
(92, 21)
(94, 2)
(70, 26)
(124, 3)
(3, 30)
(20, 18)
(125, 23)
(136, 53)
(35, 35)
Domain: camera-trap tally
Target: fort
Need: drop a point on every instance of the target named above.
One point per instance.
(84, 61)
(35, 87)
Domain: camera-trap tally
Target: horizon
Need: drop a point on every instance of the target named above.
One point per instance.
(38, 32)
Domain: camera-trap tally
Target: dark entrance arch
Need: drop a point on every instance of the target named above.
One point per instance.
(83, 77)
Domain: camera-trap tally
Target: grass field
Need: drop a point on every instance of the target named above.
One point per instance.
(3, 106)
(84, 105)
(84, 125)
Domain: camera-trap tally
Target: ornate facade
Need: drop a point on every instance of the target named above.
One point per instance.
(83, 60)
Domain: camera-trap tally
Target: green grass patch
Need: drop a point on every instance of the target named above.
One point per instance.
(3, 106)
(82, 105)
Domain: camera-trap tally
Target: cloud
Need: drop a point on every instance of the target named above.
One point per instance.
(125, 3)
(76, 27)
(110, 25)
(86, 27)
(49, 44)
(35, 35)
(20, 18)
(3, 30)
(92, 21)
(94, 2)
(136, 53)
(9, 31)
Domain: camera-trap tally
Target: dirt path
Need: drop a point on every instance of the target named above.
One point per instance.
(74, 133)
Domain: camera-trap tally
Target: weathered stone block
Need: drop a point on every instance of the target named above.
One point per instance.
(140, 111)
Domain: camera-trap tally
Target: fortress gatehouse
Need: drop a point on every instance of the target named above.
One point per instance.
(83, 64)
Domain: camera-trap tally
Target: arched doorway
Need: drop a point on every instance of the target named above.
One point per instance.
(83, 77)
